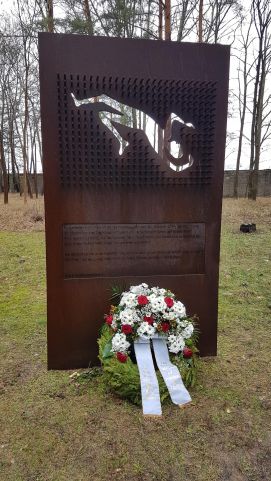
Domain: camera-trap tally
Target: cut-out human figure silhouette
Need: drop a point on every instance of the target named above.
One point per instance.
(101, 106)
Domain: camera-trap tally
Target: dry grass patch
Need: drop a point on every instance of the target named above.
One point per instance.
(247, 211)
(17, 216)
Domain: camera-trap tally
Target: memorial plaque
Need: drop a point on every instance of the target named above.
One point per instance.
(121, 209)
(100, 250)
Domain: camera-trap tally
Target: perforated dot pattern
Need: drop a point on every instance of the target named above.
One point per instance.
(87, 149)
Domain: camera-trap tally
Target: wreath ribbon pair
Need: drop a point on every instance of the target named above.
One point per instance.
(145, 320)
(150, 394)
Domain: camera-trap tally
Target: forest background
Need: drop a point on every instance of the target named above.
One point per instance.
(245, 25)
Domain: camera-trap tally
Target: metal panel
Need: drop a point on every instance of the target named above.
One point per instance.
(96, 194)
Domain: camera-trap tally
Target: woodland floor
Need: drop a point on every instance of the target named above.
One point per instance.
(56, 428)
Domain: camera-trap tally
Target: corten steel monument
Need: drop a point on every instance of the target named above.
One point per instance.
(118, 212)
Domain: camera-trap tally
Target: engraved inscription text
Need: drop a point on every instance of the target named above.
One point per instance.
(113, 250)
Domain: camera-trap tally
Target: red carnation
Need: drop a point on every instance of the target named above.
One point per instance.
(187, 352)
(169, 301)
(109, 319)
(126, 329)
(121, 357)
(149, 319)
(142, 300)
(165, 326)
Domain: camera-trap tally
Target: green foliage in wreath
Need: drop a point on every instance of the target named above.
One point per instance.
(123, 379)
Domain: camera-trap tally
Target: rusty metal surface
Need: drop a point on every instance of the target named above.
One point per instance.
(96, 196)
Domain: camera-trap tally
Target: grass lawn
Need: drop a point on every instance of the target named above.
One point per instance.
(56, 428)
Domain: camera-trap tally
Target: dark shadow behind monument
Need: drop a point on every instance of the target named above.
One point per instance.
(126, 218)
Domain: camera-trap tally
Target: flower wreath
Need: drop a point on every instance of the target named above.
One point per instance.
(145, 311)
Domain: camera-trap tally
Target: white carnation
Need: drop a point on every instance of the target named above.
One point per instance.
(179, 309)
(119, 343)
(157, 291)
(131, 313)
(157, 303)
(188, 331)
(162, 292)
(128, 299)
(169, 316)
(181, 323)
(175, 343)
(145, 329)
(129, 316)
(141, 289)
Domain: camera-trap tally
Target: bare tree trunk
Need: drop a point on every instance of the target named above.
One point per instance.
(35, 170)
(29, 186)
(18, 175)
(253, 128)
(258, 135)
(50, 15)
(167, 20)
(32, 173)
(160, 25)
(200, 19)
(37, 128)
(239, 152)
(4, 168)
(242, 108)
(26, 60)
(261, 13)
(88, 17)
(28, 169)
(183, 18)
(15, 177)
(24, 146)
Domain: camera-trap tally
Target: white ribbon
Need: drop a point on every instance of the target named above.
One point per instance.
(151, 403)
(170, 372)
(149, 384)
